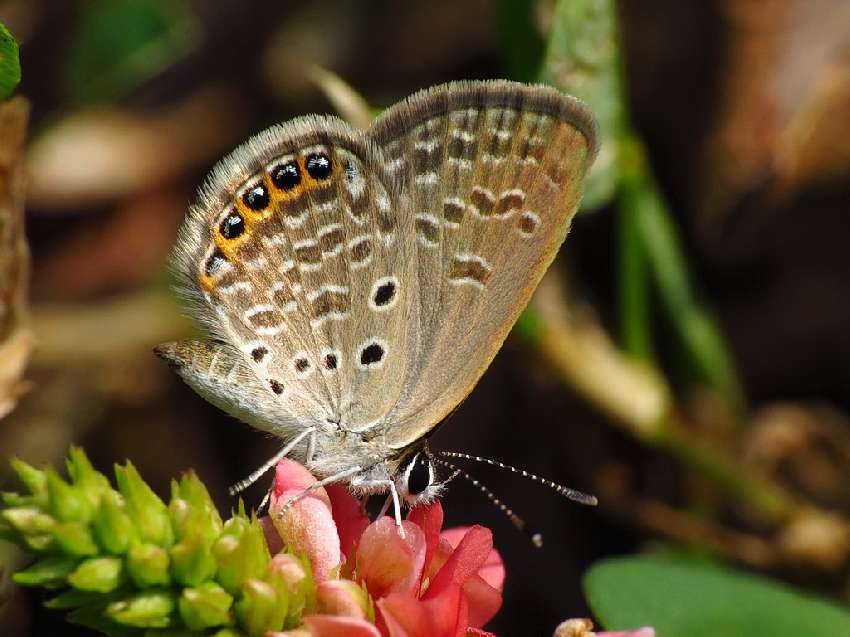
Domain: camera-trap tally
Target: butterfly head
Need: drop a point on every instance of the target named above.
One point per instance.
(416, 480)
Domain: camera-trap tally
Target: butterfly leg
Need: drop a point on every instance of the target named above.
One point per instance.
(256, 475)
(390, 486)
(337, 477)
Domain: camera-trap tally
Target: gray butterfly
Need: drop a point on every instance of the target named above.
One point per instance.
(355, 286)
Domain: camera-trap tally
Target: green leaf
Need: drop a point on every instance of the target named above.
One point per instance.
(582, 58)
(681, 598)
(10, 63)
(118, 44)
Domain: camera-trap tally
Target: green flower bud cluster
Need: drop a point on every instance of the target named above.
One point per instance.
(126, 563)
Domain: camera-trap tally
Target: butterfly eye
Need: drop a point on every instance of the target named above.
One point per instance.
(418, 475)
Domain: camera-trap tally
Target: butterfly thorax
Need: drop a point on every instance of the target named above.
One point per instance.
(337, 450)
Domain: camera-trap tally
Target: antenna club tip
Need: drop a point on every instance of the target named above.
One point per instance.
(537, 540)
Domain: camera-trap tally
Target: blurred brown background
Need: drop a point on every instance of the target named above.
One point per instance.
(743, 107)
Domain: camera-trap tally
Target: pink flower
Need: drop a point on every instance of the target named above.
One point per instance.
(430, 583)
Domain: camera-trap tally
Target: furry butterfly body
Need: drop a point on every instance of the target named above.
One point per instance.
(355, 286)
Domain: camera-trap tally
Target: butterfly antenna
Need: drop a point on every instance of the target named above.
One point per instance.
(571, 494)
(518, 522)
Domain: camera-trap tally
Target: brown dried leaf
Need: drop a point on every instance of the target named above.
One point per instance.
(805, 447)
(350, 105)
(578, 347)
(782, 121)
(15, 337)
(130, 245)
(94, 157)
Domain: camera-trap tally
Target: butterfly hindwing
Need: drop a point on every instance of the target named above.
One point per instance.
(494, 174)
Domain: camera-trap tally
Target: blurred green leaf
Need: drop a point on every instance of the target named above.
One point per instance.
(651, 224)
(582, 59)
(521, 45)
(633, 281)
(118, 44)
(10, 63)
(684, 598)
(528, 326)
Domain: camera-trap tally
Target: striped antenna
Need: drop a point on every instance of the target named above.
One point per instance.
(571, 494)
(518, 522)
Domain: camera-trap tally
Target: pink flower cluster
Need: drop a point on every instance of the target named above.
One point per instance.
(431, 583)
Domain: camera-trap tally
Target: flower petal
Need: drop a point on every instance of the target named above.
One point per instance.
(441, 616)
(469, 556)
(331, 626)
(273, 540)
(493, 569)
(307, 525)
(386, 561)
(430, 519)
(292, 476)
(484, 600)
(348, 516)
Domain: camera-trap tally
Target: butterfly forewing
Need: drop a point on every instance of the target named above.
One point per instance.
(494, 174)
(301, 268)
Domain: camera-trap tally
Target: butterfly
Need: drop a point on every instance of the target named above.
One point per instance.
(354, 286)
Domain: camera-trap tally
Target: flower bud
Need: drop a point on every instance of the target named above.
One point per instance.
(90, 483)
(205, 606)
(147, 565)
(66, 503)
(29, 520)
(260, 608)
(34, 480)
(149, 609)
(74, 539)
(292, 577)
(98, 574)
(241, 553)
(148, 513)
(192, 510)
(49, 571)
(112, 527)
(192, 561)
(342, 597)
